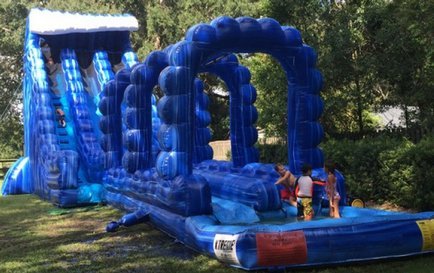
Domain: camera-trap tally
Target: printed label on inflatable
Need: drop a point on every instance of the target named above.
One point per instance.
(427, 229)
(281, 248)
(225, 248)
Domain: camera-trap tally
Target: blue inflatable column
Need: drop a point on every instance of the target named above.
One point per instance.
(304, 104)
(176, 110)
(177, 107)
(202, 149)
(138, 120)
(31, 60)
(307, 107)
(104, 72)
(156, 124)
(141, 116)
(243, 117)
(129, 59)
(311, 109)
(157, 61)
(176, 136)
(111, 120)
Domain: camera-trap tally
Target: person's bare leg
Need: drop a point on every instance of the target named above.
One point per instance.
(293, 202)
(331, 208)
(336, 209)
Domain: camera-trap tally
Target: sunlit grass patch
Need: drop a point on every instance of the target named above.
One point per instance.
(80, 247)
(12, 266)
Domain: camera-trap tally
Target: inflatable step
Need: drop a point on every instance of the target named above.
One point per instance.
(63, 141)
(59, 126)
(61, 131)
(54, 97)
(56, 101)
(67, 146)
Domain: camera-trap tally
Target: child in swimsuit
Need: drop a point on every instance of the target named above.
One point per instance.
(287, 179)
(61, 117)
(305, 187)
(332, 193)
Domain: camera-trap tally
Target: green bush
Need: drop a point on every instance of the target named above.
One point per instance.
(273, 153)
(421, 158)
(387, 169)
(360, 162)
(395, 173)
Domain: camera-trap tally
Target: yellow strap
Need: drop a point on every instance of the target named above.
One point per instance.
(427, 229)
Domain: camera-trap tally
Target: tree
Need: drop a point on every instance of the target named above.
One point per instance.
(348, 64)
(404, 41)
(168, 21)
(338, 32)
(270, 81)
(12, 31)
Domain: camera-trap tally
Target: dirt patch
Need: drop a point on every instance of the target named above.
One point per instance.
(388, 206)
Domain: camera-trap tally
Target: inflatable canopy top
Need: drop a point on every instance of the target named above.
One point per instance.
(47, 22)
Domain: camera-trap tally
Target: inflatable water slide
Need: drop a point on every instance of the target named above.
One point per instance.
(68, 59)
(95, 131)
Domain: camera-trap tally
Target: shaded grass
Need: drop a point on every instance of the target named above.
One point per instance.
(35, 237)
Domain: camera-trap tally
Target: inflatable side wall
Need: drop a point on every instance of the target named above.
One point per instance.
(184, 195)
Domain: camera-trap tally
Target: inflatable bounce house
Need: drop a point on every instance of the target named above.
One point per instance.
(95, 132)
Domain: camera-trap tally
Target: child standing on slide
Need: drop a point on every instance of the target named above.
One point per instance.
(332, 193)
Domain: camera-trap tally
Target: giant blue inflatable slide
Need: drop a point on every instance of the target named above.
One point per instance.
(95, 132)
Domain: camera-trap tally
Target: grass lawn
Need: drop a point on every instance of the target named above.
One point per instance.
(37, 237)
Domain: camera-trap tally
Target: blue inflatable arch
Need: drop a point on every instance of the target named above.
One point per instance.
(206, 42)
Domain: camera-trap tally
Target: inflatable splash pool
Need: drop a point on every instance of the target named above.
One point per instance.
(117, 142)
(281, 241)
(256, 231)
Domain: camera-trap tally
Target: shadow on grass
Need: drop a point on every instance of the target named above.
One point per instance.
(34, 239)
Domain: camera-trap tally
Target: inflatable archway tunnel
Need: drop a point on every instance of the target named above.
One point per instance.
(205, 43)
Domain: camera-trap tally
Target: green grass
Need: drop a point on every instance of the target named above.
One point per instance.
(37, 237)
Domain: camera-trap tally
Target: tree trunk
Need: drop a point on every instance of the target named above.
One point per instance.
(406, 117)
(359, 106)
